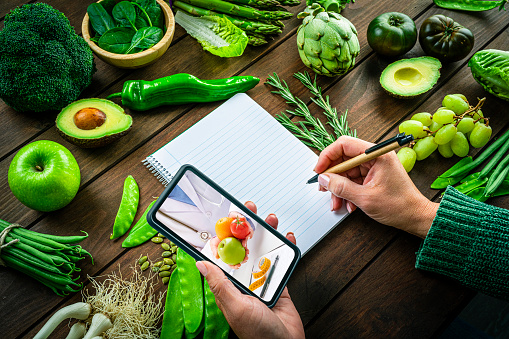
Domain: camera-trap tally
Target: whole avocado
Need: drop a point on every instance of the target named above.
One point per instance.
(44, 64)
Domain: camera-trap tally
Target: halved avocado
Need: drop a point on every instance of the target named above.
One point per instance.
(408, 78)
(90, 123)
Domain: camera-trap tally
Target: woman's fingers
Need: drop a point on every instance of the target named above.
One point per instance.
(290, 236)
(252, 206)
(343, 147)
(272, 220)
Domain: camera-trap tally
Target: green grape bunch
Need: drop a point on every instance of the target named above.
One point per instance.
(450, 130)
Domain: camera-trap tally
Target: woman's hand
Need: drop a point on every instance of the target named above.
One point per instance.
(380, 187)
(248, 316)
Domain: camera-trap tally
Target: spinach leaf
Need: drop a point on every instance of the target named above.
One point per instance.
(142, 18)
(156, 15)
(117, 40)
(100, 20)
(146, 37)
(108, 5)
(152, 10)
(124, 14)
(146, 3)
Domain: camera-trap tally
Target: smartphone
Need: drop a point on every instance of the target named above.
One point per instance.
(209, 224)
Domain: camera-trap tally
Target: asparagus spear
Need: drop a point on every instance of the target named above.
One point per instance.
(256, 40)
(257, 3)
(289, 2)
(238, 10)
(244, 24)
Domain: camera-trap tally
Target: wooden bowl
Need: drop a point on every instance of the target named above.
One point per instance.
(136, 60)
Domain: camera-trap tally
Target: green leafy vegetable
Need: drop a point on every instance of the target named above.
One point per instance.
(125, 14)
(216, 35)
(100, 20)
(117, 40)
(146, 37)
(490, 68)
(330, 5)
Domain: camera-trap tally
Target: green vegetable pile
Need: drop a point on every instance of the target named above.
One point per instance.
(49, 259)
(190, 305)
(44, 64)
(126, 27)
(259, 19)
(491, 181)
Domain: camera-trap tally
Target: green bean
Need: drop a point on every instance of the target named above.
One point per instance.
(141, 231)
(498, 176)
(22, 256)
(35, 245)
(38, 239)
(67, 239)
(495, 160)
(483, 156)
(192, 291)
(503, 189)
(173, 318)
(216, 326)
(127, 209)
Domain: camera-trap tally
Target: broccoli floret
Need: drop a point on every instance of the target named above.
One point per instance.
(44, 64)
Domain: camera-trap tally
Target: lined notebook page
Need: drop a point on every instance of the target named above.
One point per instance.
(247, 152)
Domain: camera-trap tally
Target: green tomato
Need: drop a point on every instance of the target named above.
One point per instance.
(392, 34)
(44, 176)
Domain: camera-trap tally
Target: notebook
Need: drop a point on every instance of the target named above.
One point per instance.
(252, 156)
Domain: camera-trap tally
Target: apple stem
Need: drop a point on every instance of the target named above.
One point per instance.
(39, 168)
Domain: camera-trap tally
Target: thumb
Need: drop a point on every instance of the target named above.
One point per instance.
(223, 289)
(341, 187)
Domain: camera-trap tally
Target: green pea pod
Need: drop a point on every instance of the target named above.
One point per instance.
(468, 186)
(192, 291)
(443, 180)
(141, 231)
(471, 177)
(127, 209)
(477, 194)
(173, 318)
(470, 5)
(179, 89)
(216, 326)
(503, 189)
(192, 335)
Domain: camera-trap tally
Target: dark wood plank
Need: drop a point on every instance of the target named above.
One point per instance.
(397, 300)
(7, 5)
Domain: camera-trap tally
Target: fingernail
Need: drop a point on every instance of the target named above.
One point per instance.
(324, 180)
(202, 268)
(332, 205)
(290, 233)
(348, 208)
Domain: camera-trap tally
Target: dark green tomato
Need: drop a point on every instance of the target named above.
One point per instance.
(392, 34)
(443, 38)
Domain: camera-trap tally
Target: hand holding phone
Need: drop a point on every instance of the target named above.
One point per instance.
(247, 316)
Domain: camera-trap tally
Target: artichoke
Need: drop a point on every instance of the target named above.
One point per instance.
(490, 68)
(327, 41)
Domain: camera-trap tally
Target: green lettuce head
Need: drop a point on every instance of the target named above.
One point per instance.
(490, 68)
(215, 34)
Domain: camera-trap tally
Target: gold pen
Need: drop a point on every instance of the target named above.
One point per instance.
(369, 154)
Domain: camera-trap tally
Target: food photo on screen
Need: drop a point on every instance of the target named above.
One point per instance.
(222, 232)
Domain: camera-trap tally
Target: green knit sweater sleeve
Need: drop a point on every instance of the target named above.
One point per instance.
(469, 241)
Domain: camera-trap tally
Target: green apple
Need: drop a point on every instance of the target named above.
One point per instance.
(44, 176)
(231, 251)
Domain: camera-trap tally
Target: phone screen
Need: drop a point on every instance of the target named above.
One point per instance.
(196, 212)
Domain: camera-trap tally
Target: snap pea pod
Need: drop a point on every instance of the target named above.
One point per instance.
(192, 291)
(444, 180)
(468, 186)
(470, 5)
(483, 156)
(173, 318)
(216, 326)
(495, 160)
(498, 176)
(192, 335)
(141, 231)
(477, 194)
(127, 209)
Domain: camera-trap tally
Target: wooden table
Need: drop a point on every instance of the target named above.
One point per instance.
(360, 281)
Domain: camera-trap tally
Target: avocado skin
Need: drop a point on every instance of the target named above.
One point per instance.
(85, 142)
(93, 143)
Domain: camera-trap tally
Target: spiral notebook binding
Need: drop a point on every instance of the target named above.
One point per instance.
(161, 173)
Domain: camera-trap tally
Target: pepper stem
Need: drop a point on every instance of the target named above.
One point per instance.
(114, 95)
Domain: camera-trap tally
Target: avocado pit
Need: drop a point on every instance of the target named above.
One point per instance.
(89, 118)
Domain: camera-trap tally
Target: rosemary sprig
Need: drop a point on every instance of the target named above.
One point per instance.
(311, 131)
